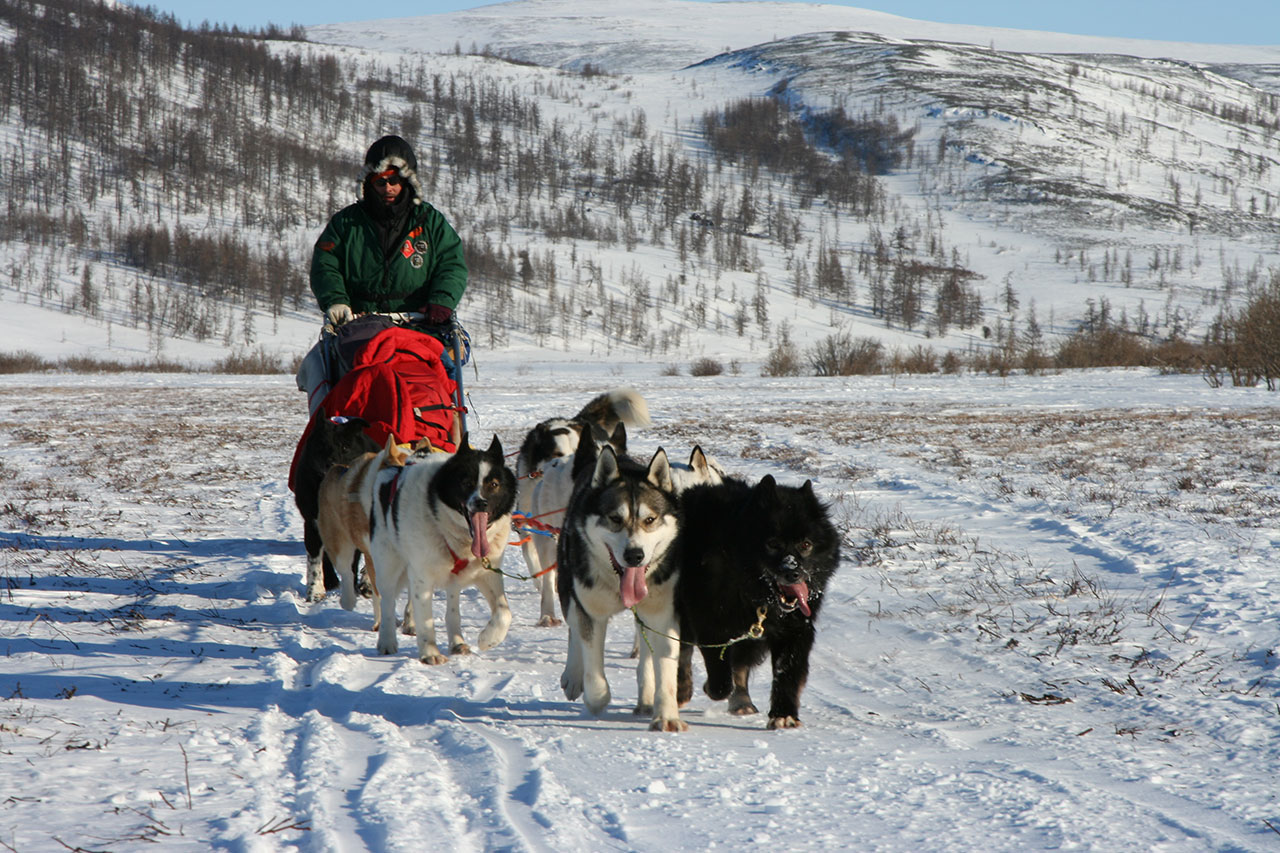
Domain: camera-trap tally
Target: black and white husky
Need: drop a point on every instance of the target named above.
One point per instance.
(544, 468)
(442, 523)
(615, 553)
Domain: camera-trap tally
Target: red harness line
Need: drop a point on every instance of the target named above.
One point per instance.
(530, 522)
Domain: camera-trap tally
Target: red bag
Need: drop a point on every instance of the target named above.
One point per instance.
(398, 384)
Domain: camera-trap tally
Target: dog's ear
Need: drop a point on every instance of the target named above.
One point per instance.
(765, 491)
(584, 459)
(660, 471)
(698, 461)
(395, 454)
(606, 470)
(619, 438)
(806, 491)
(495, 449)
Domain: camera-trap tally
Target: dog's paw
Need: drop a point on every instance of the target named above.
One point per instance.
(347, 599)
(642, 710)
(717, 691)
(572, 687)
(784, 723)
(315, 596)
(668, 724)
(596, 704)
(460, 649)
(492, 635)
(433, 658)
(743, 708)
(387, 648)
(550, 622)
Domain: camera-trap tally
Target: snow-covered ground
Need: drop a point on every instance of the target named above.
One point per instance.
(1054, 627)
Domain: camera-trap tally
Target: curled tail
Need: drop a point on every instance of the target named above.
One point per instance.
(621, 405)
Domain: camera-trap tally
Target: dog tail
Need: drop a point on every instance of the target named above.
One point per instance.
(621, 405)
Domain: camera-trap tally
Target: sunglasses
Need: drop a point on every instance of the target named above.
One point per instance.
(394, 181)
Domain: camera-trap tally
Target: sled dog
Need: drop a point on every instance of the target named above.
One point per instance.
(699, 470)
(547, 451)
(751, 558)
(346, 496)
(442, 523)
(615, 553)
(545, 503)
(333, 441)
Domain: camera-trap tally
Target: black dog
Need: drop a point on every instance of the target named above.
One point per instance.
(754, 560)
(330, 442)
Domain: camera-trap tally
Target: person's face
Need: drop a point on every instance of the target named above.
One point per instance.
(387, 186)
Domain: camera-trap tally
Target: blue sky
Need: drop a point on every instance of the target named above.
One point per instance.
(1224, 21)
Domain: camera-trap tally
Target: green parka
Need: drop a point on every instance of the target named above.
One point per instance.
(348, 265)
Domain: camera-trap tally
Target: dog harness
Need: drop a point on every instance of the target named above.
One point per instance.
(459, 563)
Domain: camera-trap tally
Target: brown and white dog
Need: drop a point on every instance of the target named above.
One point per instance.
(346, 496)
(335, 440)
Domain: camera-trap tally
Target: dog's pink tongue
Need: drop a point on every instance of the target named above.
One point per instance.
(633, 586)
(480, 534)
(800, 592)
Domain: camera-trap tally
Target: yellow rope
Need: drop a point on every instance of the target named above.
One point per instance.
(755, 632)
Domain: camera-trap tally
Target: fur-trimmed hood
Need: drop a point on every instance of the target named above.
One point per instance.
(392, 152)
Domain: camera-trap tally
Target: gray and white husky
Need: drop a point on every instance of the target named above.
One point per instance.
(615, 553)
(544, 468)
(442, 523)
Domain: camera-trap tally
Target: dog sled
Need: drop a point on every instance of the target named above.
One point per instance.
(399, 375)
(376, 379)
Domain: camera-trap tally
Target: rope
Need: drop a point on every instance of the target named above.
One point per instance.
(755, 632)
(484, 561)
(530, 523)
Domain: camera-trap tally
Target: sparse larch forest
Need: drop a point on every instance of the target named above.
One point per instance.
(171, 179)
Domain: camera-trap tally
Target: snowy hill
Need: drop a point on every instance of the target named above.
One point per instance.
(1045, 174)
(634, 36)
